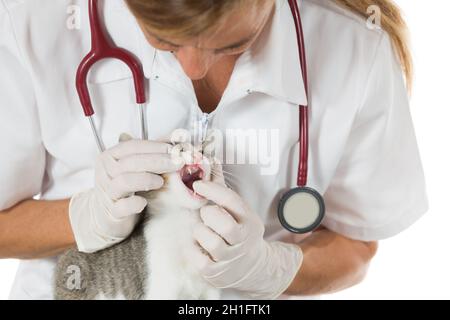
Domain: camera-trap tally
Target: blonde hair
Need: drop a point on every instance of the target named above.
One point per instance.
(184, 18)
(393, 23)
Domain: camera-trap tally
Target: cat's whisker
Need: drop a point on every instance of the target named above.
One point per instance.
(224, 179)
(226, 175)
(217, 175)
(229, 173)
(231, 177)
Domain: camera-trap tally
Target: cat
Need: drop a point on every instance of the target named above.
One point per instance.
(153, 263)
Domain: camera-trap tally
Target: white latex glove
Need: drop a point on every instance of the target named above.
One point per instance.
(108, 213)
(239, 258)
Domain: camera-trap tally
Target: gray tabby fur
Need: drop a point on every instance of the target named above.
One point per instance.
(118, 270)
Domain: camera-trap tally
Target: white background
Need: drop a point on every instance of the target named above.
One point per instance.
(416, 263)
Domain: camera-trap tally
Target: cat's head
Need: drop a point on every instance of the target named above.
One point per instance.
(178, 191)
(178, 186)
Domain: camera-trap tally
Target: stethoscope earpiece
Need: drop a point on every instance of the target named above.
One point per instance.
(301, 210)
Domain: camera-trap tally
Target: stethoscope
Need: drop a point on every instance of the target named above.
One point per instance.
(301, 209)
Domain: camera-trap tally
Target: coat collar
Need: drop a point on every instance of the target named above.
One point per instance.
(274, 61)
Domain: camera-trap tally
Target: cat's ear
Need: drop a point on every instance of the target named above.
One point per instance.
(125, 137)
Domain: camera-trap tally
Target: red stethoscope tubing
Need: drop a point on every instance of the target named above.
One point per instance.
(102, 48)
(302, 176)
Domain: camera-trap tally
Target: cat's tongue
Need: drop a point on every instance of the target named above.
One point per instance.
(191, 173)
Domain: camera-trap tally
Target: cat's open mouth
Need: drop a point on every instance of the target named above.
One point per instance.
(191, 173)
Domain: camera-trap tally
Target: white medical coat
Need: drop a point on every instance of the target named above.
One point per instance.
(363, 151)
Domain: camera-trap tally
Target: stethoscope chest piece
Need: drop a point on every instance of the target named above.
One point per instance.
(301, 210)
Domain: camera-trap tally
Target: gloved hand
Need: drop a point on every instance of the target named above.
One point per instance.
(237, 255)
(108, 213)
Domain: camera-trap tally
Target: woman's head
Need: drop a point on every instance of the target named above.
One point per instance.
(201, 32)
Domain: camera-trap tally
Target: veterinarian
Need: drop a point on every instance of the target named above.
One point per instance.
(235, 65)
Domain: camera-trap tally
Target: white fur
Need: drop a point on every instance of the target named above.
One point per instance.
(174, 212)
